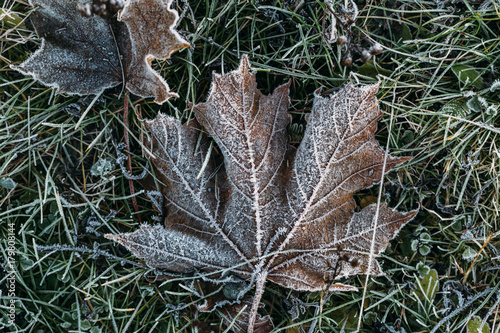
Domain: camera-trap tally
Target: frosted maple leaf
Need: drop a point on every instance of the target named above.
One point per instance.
(84, 55)
(271, 213)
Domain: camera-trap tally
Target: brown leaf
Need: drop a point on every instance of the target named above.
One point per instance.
(270, 214)
(83, 55)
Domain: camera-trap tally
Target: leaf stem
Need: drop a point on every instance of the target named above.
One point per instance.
(129, 159)
(259, 291)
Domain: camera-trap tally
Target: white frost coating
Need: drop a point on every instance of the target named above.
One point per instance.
(290, 220)
(83, 55)
(56, 64)
(250, 129)
(340, 137)
(179, 157)
(153, 38)
(176, 250)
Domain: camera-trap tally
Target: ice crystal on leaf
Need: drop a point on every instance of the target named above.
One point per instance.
(272, 212)
(83, 55)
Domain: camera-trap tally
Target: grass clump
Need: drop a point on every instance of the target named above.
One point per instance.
(63, 188)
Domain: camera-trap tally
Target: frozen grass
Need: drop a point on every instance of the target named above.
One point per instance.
(439, 78)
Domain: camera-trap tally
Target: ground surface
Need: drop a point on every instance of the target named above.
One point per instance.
(440, 93)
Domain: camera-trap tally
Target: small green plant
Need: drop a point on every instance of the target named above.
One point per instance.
(421, 241)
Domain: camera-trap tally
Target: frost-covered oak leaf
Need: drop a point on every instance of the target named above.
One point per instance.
(83, 55)
(272, 212)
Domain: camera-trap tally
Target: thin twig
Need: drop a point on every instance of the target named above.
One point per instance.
(477, 256)
(129, 159)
